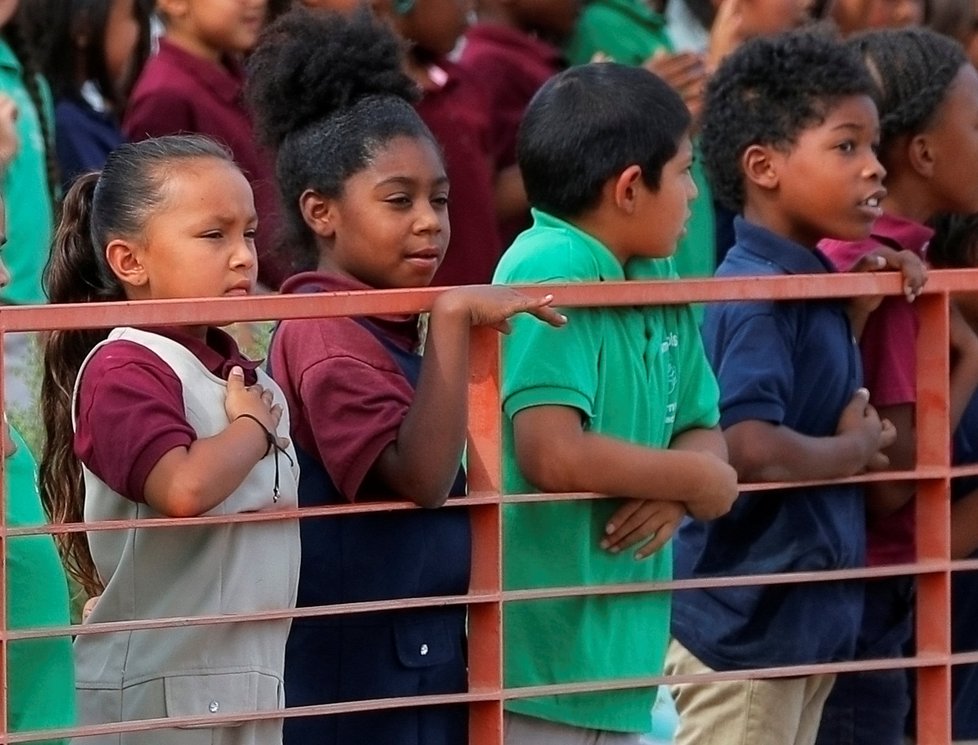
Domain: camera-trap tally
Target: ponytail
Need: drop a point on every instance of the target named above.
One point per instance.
(76, 273)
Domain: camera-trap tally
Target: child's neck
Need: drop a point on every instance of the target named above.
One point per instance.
(596, 225)
(422, 68)
(909, 198)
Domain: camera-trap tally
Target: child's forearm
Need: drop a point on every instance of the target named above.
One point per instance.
(766, 452)
(422, 463)
(702, 440)
(187, 482)
(556, 455)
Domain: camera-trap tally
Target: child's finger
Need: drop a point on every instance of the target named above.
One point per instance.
(283, 442)
(661, 537)
(276, 412)
(236, 379)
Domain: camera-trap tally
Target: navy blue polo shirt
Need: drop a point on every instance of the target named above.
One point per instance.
(964, 593)
(793, 363)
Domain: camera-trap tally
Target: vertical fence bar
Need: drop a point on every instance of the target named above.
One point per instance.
(485, 477)
(933, 610)
(4, 550)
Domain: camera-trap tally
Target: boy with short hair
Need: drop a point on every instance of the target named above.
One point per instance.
(622, 402)
(789, 138)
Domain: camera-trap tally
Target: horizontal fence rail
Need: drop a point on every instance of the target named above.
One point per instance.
(933, 569)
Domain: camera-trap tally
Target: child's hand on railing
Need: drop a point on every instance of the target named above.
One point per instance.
(494, 305)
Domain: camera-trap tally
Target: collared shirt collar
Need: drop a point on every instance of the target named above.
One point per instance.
(908, 234)
(402, 327)
(225, 79)
(7, 57)
(609, 268)
(791, 257)
(219, 353)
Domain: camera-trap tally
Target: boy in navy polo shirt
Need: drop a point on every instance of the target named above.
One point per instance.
(789, 137)
(622, 402)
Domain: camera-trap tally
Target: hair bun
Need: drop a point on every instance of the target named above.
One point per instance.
(310, 64)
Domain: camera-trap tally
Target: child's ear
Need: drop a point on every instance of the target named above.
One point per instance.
(317, 212)
(123, 259)
(920, 155)
(759, 165)
(172, 8)
(625, 188)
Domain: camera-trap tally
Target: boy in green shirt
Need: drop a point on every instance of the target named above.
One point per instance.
(621, 402)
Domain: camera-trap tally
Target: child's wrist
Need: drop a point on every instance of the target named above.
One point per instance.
(269, 435)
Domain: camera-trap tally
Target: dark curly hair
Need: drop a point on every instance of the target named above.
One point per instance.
(766, 93)
(912, 68)
(580, 130)
(327, 93)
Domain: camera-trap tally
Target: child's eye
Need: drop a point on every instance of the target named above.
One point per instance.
(212, 235)
(399, 200)
(847, 147)
(440, 200)
(250, 234)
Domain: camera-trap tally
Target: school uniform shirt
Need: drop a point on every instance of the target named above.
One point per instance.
(457, 111)
(25, 188)
(184, 571)
(85, 133)
(180, 92)
(350, 383)
(795, 364)
(634, 373)
(40, 672)
(889, 363)
(511, 65)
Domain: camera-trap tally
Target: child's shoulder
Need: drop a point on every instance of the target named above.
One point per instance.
(555, 251)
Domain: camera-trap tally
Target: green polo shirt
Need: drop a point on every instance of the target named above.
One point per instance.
(40, 672)
(634, 373)
(25, 190)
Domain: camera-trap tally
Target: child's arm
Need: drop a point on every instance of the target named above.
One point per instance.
(188, 481)
(763, 451)
(653, 523)
(886, 497)
(884, 258)
(556, 454)
(422, 463)
(964, 526)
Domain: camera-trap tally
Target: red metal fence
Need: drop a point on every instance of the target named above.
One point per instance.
(933, 658)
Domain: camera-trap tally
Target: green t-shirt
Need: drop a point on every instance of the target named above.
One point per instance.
(635, 373)
(24, 185)
(40, 672)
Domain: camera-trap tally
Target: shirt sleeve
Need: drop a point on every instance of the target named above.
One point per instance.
(697, 405)
(130, 413)
(751, 354)
(163, 112)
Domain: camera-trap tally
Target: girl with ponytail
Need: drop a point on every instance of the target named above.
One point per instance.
(168, 422)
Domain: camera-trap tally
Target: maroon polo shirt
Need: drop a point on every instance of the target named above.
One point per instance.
(180, 92)
(457, 112)
(511, 66)
(130, 406)
(347, 397)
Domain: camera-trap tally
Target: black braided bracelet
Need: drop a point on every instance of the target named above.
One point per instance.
(272, 445)
(269, 437)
